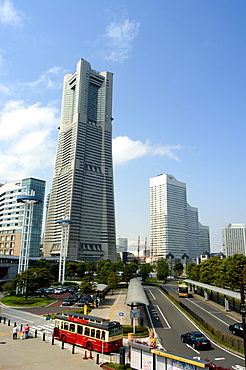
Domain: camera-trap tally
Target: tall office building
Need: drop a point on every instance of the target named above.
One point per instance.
(82, 189)
(174, 226)
(121, 244)
(14, 219)
(234, 239)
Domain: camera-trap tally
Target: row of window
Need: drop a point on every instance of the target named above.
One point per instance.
(82, 330)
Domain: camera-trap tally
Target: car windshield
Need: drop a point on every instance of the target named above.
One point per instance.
(199, 336)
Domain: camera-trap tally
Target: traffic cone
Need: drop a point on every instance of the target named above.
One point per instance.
(90, 355)
(85, 356)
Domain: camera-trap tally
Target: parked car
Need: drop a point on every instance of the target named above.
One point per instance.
(67, 302)
(237, 329)
(196, 340)
(74, 298)
(58, 290)
(49, 290)
(82, 302)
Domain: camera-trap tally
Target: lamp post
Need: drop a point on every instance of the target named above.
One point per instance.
(65, 223)
(29, 199)
(243, 313)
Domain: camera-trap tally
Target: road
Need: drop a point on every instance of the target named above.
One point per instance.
(217, 318)
(170, 322)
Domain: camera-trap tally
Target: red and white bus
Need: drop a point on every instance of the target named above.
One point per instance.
(90, 332)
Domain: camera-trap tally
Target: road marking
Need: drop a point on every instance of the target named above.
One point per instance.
(209, 312)
(219, 358)
(20, 318)
(169, 327)
(152, 294)
(192, 348)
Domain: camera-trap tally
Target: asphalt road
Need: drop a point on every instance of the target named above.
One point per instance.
(170, 322)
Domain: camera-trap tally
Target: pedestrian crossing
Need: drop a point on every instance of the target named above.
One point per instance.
(41, 329)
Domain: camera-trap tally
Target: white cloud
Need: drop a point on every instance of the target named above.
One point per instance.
(9, 15)
(47, 80)
(27, 142)
(125, 149)
(120, 37)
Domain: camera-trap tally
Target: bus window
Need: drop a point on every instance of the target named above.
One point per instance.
(65, 326)
(93, 333)
(62, 324)
(72, 328)
(80, 329)
(98, 334)
(87, 331)
(103, 335)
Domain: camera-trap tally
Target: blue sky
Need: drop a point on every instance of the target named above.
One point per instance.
(178, 106)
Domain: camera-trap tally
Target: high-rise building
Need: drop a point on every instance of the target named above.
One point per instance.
(13, 221)
(82, 189)
(121, 244)
(234, 239)
(174, 226)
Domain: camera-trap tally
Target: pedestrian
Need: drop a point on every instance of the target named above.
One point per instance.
(26, 331)
(15, 331)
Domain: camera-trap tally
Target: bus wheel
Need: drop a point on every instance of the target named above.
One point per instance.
(89, 346)
(63, 338)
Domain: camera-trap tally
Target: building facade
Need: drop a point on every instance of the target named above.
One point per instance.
(82, 188)
(13, 217)
(121, 244)
(234, 239)
(174, 227)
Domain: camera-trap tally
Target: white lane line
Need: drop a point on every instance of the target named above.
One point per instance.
(209, 313)
(192, 348)
(152, 294)
(169, 327)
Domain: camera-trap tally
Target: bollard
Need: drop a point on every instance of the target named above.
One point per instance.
(9, 322)
(53, 341)
(43, 336)
(0, 319)
(97, 359)
(63, 344)
(4, 320)
(21, 327)
(73, 349)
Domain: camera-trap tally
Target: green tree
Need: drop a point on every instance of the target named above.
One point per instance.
(145, 270)
(113, 280)
(71, 268)
(42, 263)
(119, 266)
(190, 270)
(81, 269)
(105, 270)
(91, 268)
(208, 270)
(33, 278)
(178, 268)
(129, 271)
(162, 269)
(232, 271)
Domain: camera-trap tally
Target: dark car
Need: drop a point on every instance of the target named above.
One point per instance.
(67, 302)
(196, 340)
(82, 302)
(237, 329)
(74, 298)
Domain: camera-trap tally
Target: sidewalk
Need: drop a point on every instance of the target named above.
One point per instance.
(35, 353)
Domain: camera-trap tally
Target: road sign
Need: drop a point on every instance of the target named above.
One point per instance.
(121, 314)
(134, 314)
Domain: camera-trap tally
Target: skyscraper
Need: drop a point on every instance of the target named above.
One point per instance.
(234, 239)
(174, 226)
(82, 189)
(14, 219)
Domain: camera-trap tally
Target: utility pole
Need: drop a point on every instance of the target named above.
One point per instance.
(243, 313)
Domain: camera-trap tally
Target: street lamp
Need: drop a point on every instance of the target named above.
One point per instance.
(29, 199)
(65, 223)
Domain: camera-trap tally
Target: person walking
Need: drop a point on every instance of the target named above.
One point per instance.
(26, 331)
(15, 331)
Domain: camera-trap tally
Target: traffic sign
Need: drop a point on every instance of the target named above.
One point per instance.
(134, 314)
(121, 314)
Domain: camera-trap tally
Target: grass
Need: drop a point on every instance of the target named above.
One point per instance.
(19, 301)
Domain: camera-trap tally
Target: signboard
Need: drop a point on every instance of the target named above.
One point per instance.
(135, 358)
(121, 314)
(134, 314)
